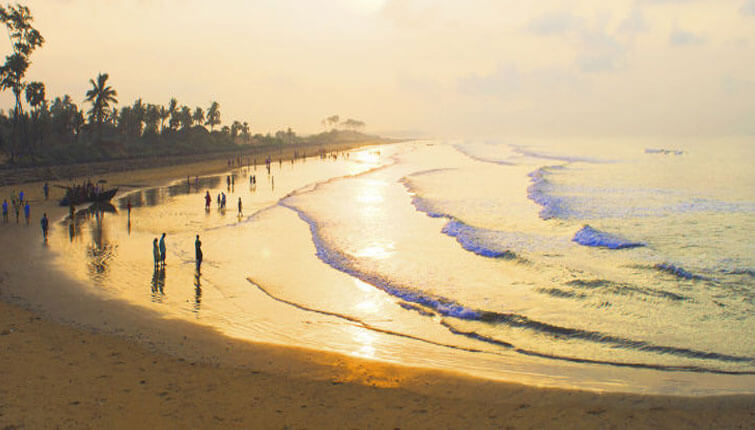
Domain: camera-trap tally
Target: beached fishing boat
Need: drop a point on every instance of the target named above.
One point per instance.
(79, 194)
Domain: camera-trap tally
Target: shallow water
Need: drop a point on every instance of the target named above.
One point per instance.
(611, 266)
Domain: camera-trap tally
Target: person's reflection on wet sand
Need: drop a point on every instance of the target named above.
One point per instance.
(197, 291)
(158, 284)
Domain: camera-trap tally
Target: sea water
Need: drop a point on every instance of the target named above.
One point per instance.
(537, 261)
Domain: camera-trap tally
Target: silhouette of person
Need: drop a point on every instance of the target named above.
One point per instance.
(207, 200)
(45, 225)
(240, 211)
(162, 250)
(5, 210)
(46, 189)
(198, 251)
(156, 252)
(27, 211)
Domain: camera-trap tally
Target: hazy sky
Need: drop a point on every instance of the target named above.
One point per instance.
(447, 68)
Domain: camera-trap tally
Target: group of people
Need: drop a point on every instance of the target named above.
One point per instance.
(159, 251)
(221, 202)
(19, 202)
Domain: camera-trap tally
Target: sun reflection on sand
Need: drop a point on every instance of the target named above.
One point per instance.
(365, 339)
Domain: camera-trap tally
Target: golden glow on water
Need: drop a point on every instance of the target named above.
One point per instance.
(365, 340)
(368, 222)
(367, 306)
(378, 252)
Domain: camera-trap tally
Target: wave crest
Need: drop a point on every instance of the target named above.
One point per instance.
(588, 236)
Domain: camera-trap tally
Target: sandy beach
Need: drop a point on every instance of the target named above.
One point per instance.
(98, 362)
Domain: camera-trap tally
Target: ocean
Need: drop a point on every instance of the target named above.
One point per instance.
(616, 265)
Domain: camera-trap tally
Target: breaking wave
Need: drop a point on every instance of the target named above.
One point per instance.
(447, 307)
(588, 236)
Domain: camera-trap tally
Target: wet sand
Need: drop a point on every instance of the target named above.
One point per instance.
(104, 363)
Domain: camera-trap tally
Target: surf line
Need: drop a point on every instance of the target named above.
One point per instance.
(363, 324)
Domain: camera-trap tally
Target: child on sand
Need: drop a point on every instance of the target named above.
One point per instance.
(27, 212)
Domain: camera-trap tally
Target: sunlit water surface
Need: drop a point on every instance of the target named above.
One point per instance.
(611, 266)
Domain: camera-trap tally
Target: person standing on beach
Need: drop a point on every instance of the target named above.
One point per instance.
(45, 225)
(240, 212)
(128, 207)
(16, 207)
(27, 212)
(21, 196)
(46, 189)
(198, 251)
(162, 249)
(5, 210)
(156, 252)
(207, 200)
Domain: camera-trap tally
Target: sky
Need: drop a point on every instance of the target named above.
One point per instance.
(442, 68)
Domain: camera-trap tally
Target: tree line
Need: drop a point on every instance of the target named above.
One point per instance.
(61, 130)
(37, 130)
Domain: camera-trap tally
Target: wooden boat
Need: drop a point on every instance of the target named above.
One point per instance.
(80, 194)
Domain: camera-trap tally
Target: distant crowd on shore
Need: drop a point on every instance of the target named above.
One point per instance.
(19, 203)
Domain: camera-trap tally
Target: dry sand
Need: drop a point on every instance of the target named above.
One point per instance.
(90, 372)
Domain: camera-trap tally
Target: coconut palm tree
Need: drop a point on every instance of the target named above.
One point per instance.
(213, 115)
(100, 95)
(185, 118)
(173, 113)
(164, 114)
(198, 116)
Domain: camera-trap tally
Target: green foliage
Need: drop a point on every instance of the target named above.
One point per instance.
(24, 40)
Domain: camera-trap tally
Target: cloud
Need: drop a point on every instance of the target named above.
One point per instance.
(634, 23)
(508, 82)
(554, 23)
(683, 38)
(748, 8)
(505, 81)
(601, 52)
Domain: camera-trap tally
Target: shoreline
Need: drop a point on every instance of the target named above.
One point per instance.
(93, 372)
(205, 162)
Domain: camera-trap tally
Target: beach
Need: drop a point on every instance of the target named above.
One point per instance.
(75, 358)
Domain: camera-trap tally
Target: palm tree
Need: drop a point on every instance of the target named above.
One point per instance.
(185, 118)
(198, 116)
(151, 119)
(164, 114)
(213, 115)
(35, 94)
(245, 131)
(172, 113)
(100, 95)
